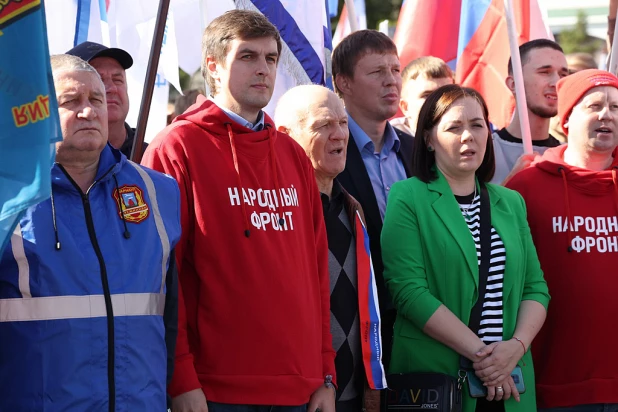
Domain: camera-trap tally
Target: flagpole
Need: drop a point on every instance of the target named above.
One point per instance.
(352, 15)
(520, 92)
(613, 56)
(151, 75)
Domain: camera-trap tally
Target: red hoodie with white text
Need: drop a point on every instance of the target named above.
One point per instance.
(254, 315)
(572, 214)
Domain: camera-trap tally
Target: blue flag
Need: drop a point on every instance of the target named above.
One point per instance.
(29, 124)
(333, 6)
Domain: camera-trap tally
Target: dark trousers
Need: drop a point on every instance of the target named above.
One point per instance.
(483, 405)
(353, 405)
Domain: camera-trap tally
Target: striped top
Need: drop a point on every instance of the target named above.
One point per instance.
(492, 315)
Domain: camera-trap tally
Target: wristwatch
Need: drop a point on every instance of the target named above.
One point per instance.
(328, 382)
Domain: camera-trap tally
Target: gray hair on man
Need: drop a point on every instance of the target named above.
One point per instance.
(292, 109)
(68, 63)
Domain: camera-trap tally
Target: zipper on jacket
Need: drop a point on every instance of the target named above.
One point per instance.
(111, 378)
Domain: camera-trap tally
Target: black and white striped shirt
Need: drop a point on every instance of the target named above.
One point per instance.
(491, 316)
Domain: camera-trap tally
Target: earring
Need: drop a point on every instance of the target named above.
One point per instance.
(430, 148)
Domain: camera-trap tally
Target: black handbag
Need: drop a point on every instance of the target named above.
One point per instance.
(415, 391)
(438, 391)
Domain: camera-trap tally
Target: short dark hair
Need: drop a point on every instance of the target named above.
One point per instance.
(231, 25)
(356, 45)
(437, 104)
(526, 48)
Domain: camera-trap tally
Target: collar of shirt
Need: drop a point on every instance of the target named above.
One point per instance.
(363, 142)
(335, 200)
(258, 126)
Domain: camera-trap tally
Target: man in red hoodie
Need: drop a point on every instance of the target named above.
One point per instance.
(572, 199)
(254, 312)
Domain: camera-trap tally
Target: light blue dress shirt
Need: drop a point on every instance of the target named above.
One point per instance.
(384, 168)
(258, 126)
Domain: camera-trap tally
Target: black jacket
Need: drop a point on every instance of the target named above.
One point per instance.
(127, 146)
(356, 182)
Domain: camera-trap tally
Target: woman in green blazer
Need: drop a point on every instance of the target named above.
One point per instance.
(431, 265)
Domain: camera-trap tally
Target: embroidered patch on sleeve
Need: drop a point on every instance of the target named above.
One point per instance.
(130, 202)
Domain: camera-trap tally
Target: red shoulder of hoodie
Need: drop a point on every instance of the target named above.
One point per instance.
(523, 180)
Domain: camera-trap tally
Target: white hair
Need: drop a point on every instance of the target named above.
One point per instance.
(293, 107)
(61, 63)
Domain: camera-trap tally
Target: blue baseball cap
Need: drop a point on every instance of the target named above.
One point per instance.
(89, 50)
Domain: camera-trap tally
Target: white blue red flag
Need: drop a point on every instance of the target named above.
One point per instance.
(471, 36)
(369, 312)
(28, 112)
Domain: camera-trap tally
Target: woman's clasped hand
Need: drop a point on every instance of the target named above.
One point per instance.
(495, 363)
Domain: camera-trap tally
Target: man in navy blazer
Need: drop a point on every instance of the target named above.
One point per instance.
(367, 76)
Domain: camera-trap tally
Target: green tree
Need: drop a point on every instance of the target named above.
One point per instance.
(577, 39)
(377, 10)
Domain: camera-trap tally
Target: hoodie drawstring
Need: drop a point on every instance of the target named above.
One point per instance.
(568, 207)
(126, 233)
(53, 205)
(235, 157)
(273, 163)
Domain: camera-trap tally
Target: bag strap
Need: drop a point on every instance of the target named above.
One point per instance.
(485, 237)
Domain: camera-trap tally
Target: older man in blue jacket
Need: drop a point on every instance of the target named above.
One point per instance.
(87, 293)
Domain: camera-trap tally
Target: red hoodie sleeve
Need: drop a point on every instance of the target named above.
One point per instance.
(168, 156)
(328, 353)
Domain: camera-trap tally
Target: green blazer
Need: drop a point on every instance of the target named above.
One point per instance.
(430, 259)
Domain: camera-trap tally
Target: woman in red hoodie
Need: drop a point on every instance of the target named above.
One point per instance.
(572, 198)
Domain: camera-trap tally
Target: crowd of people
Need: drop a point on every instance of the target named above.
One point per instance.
(289, 265)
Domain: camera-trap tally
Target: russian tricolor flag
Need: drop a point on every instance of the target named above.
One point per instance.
(369, 311)
(471, 36)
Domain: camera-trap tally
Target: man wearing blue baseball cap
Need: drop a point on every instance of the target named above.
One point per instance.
(111, 64)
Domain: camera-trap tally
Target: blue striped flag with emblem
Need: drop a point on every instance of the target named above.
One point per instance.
(28, 111)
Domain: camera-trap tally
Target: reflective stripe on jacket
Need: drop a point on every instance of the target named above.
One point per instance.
(82, 293)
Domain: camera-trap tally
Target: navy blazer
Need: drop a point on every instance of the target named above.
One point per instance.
(356, 182)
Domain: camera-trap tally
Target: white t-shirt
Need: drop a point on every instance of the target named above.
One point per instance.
(507, 149)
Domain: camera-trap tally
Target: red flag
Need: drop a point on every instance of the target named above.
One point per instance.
(472, 38)
(428, 28)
